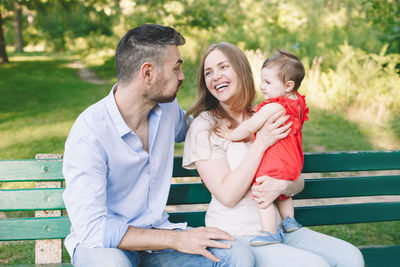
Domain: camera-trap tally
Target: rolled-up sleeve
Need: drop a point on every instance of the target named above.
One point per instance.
(114, 231)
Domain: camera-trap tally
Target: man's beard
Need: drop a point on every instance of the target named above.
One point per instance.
(157, 92)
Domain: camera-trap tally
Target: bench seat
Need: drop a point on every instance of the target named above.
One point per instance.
(351, 174)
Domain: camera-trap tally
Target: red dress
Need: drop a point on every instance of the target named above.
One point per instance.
(284, 160)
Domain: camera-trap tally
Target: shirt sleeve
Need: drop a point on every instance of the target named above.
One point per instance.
(85, 197)
(181, 123)
(202, 143)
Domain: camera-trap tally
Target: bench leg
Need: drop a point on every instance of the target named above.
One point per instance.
(48, 251)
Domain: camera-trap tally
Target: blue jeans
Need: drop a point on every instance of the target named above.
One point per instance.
(306, 248)
(302, 248)
(238, 255)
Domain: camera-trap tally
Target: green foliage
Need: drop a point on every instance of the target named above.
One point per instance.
(385, 17)
(310, 28)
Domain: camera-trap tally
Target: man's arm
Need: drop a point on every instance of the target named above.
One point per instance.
(192, 241)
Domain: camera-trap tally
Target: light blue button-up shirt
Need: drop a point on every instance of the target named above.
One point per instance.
(111, 182)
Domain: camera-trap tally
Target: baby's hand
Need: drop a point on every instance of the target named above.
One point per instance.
(223, 131)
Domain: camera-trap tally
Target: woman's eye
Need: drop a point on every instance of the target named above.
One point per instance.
(207, 73)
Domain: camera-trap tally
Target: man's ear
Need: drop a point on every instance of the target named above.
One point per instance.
(147, 72)
(289, 86)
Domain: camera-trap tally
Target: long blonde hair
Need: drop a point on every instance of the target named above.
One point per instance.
(244, 95)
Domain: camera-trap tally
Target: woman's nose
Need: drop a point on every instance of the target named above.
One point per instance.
(217, 75)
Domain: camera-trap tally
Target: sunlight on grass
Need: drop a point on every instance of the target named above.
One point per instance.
(13, 136)
(45, 99)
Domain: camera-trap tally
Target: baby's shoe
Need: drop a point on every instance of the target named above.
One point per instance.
(270, 238)
(290, 224)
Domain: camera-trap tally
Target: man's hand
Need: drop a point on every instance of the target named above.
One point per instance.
(196, 240)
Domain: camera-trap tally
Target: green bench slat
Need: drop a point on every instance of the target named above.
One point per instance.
(351, 161)
(320, 215)
(50, 170)
(384, 256)
(179, 171)
(348, 213)
(195, 193)
(30, 170)
(34, 228)
(31, 199)
(193, 218)
(329, 162)
(58, 227)
(350, 187)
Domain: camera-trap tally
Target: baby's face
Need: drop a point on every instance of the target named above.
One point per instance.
(271, 86)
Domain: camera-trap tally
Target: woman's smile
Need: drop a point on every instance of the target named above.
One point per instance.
(220, 78)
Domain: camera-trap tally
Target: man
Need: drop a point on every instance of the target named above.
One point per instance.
(118, 166)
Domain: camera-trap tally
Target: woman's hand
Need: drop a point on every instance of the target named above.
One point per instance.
(273, 131)
(267, 189)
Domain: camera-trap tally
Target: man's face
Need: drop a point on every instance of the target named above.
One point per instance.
(169, 77)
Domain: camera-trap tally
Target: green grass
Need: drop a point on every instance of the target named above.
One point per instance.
(40, 101)
(41, 98)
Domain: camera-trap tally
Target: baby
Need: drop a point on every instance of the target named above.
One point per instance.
(281, 76)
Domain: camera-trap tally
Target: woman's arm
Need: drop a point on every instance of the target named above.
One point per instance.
(229, 186)
(251, 125)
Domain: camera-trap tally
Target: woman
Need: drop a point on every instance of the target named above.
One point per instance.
(226, 91)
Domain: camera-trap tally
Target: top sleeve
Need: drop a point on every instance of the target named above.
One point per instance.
(202, 143)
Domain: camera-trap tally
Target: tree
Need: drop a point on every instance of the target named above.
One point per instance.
(3, 53)
(19, 43)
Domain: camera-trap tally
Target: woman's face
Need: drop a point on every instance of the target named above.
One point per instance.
(221, 80)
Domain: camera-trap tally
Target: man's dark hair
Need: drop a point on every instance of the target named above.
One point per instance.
(147, 42)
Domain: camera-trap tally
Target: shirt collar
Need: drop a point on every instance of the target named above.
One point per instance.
(116, 116)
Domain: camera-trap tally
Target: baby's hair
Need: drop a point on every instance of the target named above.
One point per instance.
(288, 65)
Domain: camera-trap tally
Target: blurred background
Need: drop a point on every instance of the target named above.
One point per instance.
(350, 48)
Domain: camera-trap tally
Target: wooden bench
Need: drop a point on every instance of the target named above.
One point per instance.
(341, 175)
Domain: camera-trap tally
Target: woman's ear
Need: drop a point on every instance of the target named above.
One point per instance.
(289, 86)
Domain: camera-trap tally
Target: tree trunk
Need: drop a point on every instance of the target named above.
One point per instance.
(19, 43)
(3, 53)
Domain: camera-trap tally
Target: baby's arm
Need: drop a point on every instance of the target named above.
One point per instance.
(249, 126)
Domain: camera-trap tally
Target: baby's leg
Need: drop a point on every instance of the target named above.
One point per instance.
(286, 210)
(269, 233)
(268, 218)
(285, 207)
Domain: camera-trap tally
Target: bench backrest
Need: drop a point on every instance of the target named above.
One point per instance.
(338, 184)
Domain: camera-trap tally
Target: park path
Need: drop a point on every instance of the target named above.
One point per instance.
(85, 74)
